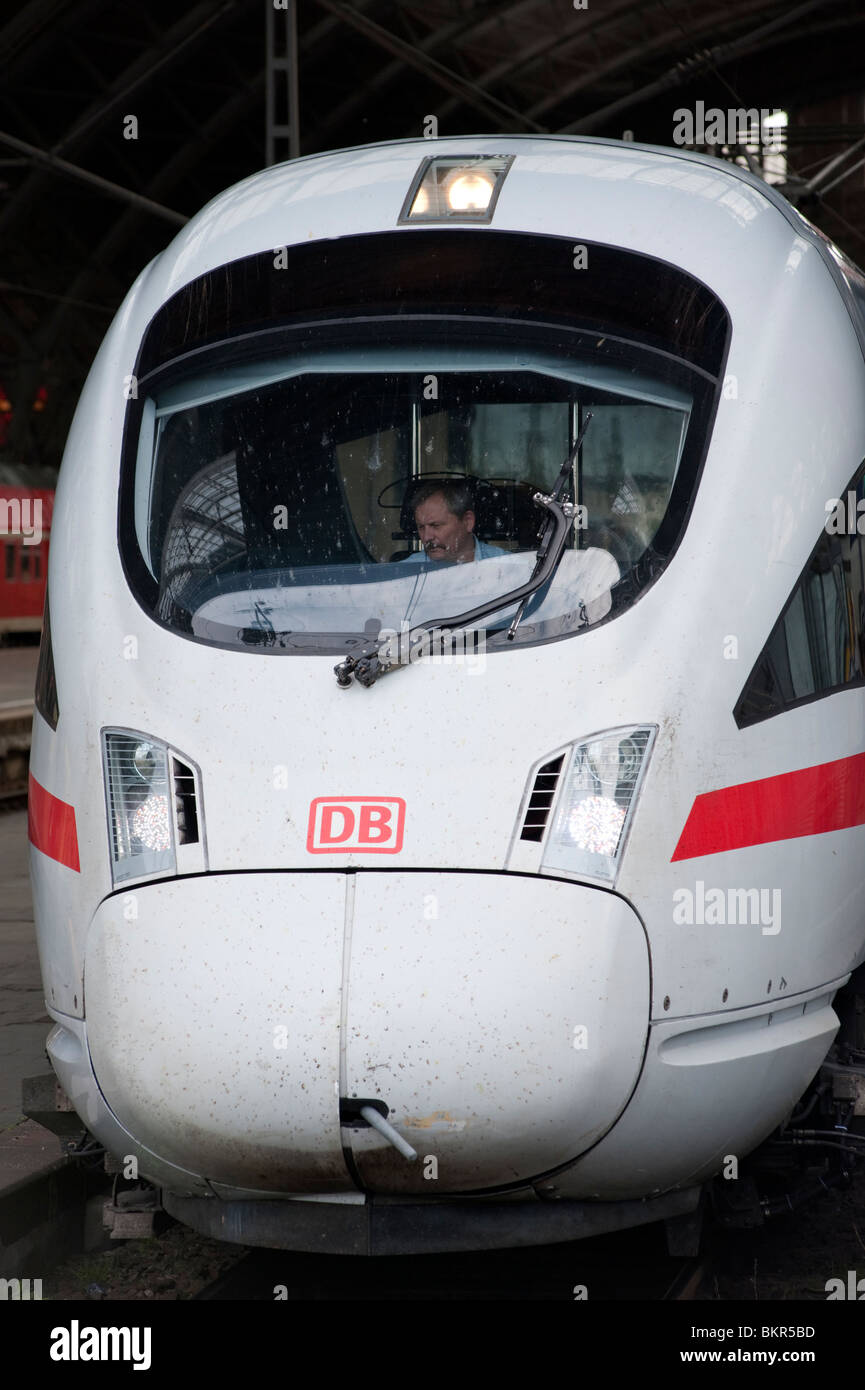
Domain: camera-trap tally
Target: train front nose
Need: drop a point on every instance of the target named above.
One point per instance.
(235, 1021)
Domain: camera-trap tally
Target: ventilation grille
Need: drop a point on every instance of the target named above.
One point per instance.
(541, 799)
(186, 811)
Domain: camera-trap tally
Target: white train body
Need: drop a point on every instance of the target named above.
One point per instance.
(537, 1017)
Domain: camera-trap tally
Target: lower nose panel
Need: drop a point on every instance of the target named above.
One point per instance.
(213, 1013)
(502, 1021)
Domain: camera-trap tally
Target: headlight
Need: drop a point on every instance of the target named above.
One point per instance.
(140, 822)
(456, 188)
(596, 803)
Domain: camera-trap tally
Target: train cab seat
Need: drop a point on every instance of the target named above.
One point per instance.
(625, 519)
(507, 514)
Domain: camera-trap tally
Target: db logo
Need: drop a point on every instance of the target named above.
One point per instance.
(361, 824)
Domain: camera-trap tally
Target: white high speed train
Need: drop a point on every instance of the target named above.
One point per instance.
(447, 783)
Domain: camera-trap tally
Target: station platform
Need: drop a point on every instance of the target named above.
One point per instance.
(25, 1147)
(49, 1207)
(17, 679)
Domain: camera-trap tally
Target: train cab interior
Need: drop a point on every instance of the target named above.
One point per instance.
(317, 470)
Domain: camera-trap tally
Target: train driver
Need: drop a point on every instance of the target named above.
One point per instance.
(445, 524)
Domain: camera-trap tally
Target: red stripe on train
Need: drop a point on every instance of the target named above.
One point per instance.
(51, 826)
(813, 801)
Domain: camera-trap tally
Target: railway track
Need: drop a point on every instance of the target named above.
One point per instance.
(16, 720)
(615, 1269)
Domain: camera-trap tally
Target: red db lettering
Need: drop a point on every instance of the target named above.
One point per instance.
(356, 825)
(374, 824)
(328, 814)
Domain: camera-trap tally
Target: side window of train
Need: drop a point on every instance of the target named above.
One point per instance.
(10, 560)
(818, 644)
(46, 681)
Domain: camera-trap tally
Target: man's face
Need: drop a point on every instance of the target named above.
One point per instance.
(445, 536)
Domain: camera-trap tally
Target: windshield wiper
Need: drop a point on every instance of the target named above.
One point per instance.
(372, 662)
(552, 536)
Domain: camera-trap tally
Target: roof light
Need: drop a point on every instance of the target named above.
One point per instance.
(420, 204)
(456, 190)
(469, 192)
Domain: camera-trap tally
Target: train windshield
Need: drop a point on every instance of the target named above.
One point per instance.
(309, 502)
(352, 443)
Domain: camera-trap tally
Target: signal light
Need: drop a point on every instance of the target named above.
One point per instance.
(596, 803)
(137, 786)
(453, 189)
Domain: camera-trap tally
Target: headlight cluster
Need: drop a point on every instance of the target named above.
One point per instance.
(596, 802)
(140, 823)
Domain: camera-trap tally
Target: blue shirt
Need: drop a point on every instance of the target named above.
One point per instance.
(483, 551)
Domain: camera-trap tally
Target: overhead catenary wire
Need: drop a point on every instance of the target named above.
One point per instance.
(114, 190)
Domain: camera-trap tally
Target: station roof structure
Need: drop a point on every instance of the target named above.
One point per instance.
(88, 196)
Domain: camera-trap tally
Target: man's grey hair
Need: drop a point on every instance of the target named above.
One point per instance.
(457, 495)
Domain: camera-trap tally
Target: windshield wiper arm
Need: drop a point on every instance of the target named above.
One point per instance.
(371, 663)
(552, 536)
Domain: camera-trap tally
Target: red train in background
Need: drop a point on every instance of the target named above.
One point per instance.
(25, 530)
